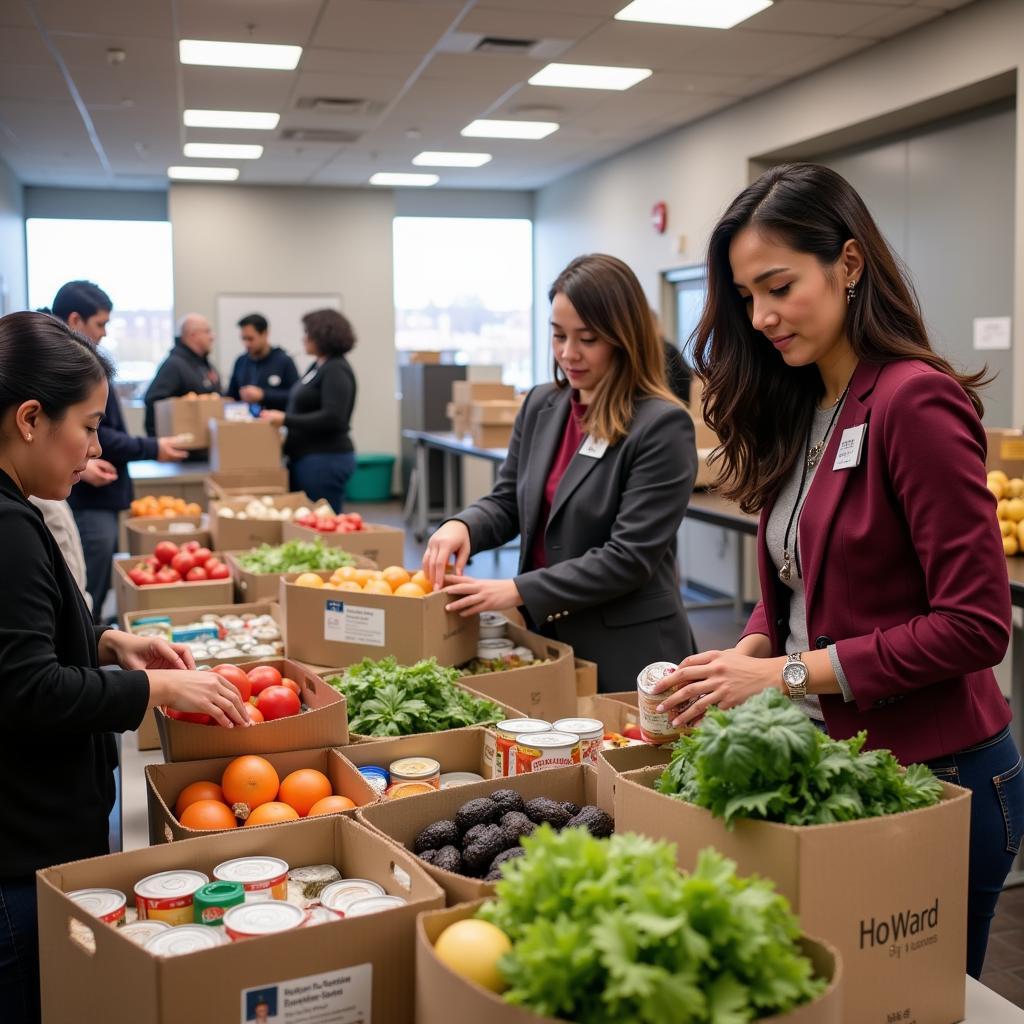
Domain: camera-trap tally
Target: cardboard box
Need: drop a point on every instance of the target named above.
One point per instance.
(384, 545)
(339, 628)
(586, 677)
(442, 996)
(545, 691)
(402, 820)
(465, 392)
(177, 416)
(147, 736)
(615, 710)
(325, 724)
(132, 598)
(1005, 451)
(430, 357)
(145, 532)
(164, 782)
(491, 436)
(266, 586)
(233, 483)
(243, 445)
(705, 436)
(495, 413)
(617, 761)
(121, 983)
(889, 893)
(234, 534)
(459, 416)
(458, 750)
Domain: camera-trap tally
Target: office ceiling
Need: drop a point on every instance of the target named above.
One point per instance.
(381, 80)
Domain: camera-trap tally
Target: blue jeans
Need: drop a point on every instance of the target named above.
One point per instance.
(98, 529)
(19, 952)
(323, 475)
(994, 773)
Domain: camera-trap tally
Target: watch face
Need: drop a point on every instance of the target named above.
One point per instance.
(795, 674)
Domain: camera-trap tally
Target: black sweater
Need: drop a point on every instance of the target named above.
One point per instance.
(57, 708)
(180, 373)
(275, 373)
(320, 410)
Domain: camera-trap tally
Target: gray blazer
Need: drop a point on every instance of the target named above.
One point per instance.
(611, 588)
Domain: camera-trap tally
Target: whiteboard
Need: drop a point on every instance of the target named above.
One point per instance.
(283, 312)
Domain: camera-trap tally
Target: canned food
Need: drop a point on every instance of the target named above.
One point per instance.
(541, 750)
(264, 878)
(590, 732)
(494, 649)
(140, 932)
(106, 904)
(270, 917)
(339, 895)
(188, 938)
(506, 733)
(452, 779)
(168, 896)
(493, 626)
(373, 905)
(656, 726)
(320, 915)
(216, 898)
(400, 790)
(520, 656)
(376, 776)
(416, 769)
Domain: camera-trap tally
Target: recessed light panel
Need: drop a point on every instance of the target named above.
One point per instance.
(271, 56)
(485, 129)
(589, 76)
(245, 119)
(222, 151)
(435, 159)
(404, 180)
(203, 173)
(694, 13)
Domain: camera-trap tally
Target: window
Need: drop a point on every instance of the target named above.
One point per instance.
(131, 261)
(690, 288)
(465, 286)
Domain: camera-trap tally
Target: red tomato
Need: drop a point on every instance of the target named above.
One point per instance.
(182, 563)
(325, 525)
(237, 678)
(168, 575)
(165, 551)
(217, 572)
(292, 685)
(190, 546)
(632, 732)
(196, 574)
(278, 702)
(254, 713)
(201, 555)
(153, 563)
(306, 520)
(355, 519)
(188, 716)
(146, 578)
(138, 575)
(263, 676)
(346, 527)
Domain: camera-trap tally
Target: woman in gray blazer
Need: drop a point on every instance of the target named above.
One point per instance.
(599, 471)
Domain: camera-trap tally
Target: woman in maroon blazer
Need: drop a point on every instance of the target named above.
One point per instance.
(885, 600)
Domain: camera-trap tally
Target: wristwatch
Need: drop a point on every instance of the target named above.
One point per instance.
(794, 677)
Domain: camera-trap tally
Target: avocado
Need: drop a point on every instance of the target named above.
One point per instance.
(495, 870)
(517, 825)
(433, 837)
(596, 821)
(573, 809)
(508, 799)
(477, 812)
(448, 858)
(487, 842)
(428, 856)
(544, 811)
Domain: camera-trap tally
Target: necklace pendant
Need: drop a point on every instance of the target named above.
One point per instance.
(786, 571)
(813, 454)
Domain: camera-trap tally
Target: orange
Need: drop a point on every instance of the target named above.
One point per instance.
(197, 791)
(419, 577)
(208, 815)
(396, 576)
(363, 575)
(330, 805)
(346, 572)
(309, 579)
(410, 590)
(270, 814)
(377, 587)
(248, 782)
(303, 788)
(350, 585)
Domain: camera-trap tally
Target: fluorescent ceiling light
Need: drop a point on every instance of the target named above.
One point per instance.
(696, 13)
(434, 159)
(222, 151)
(255, 119)
(271, 56)
(202, 173)
(484, 129)
(589, 76)
(407, 180)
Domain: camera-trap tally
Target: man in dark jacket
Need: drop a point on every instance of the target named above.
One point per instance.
(187, 369)
(263, 375)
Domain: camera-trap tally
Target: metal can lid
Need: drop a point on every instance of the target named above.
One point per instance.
(99, 902)
(418, 787)
(493, 647)
(587, 727)
(415, 767)
(251, 870)
(169, 885)
(186, 938)
(374, 769)
(492, 619)
(452, 779)
(373, 905)
(140, 932)
(546, 740)
(266, 918)
(338, 895)
(521, 725)
(653, 674)
(219, 894)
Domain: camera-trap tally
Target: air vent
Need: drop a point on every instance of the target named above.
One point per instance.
(509, 47)
(331, 135)
(347, 106)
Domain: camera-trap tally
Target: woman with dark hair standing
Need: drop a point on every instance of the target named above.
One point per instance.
(57, 709)
(321, 456)
(884, 595)
(598, 475)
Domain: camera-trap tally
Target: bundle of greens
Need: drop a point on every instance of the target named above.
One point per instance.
(388, 699)
(765, 759)
(608, 930)
(294, 556)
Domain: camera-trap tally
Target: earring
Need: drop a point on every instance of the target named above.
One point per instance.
(851, 292)
(28, 437)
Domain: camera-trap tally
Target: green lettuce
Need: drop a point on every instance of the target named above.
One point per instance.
(294, 556)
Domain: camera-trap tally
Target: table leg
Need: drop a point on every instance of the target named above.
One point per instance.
(449, 484)
(422, 491)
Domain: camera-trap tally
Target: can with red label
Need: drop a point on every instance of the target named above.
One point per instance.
(168, 896)
(656, 726)
(590, 732)
(106, 904)
(506, 733)
(543, 750)
(264, 878)
(269, 917)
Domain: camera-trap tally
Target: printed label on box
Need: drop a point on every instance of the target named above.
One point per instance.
(354, 624)
(337, 997)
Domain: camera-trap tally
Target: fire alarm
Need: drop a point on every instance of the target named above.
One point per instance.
(659, 217)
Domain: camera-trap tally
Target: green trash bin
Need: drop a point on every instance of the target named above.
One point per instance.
(372, 479)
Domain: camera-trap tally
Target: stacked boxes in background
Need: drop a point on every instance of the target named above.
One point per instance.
(484, 409)
(188, 417)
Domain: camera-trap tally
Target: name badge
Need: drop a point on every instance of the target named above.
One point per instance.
(851, 444)
(274, 380)
(593, 449)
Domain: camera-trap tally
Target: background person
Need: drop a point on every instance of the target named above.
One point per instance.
(262, 375)
(599, 471)
(884, 590)
(321, 456)
(57, 708)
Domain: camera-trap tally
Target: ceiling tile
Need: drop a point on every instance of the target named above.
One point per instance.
(637, 45)
(541, 24)
(111, 18)
(828, 51)
(142, 54)
(250, 21)
(814, 17)
(898, 20)
(234, 88)
(23, 46)
(15, 15)
(599, 8)
(346, 86)
(35, 82)
(491, 70)
(102, 88)
(383, 25)
(398, 65)
(692, 82)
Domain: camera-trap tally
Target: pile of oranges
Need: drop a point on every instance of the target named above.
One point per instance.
(394, 580)
(165, 506)
(250, 791)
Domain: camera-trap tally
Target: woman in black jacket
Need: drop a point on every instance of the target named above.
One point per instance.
(57, 709)
(321, 456)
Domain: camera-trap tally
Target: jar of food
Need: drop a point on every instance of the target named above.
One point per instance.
(590, 732)
(109, 905)
(506, 733)
(264, 878)
(493, 626)
(168, 896)
(253, 920)
(416, 769)
(494, 650)
(537, 751)
(377, 777)
(656, 726)
(213, 900)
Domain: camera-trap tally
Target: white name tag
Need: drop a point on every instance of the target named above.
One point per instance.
(850, 446)
(593, 449)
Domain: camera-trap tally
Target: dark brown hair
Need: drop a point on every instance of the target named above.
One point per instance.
(609, 300)
(761, 408)
(330, 332)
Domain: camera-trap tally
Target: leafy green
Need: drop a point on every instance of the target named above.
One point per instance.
(609, 930)
(294, 556)
(765, 759)
(388, 699)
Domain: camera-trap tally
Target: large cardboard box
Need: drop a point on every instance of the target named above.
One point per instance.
(1005, 451)
(266, 586)
(616, 710)
(465, 392)
(230, 483)
(324, 724)
(617, 761)
(889, 893)
(459, 416)
(235, 534)
(188, 416)
(164, 782)
(145, 532)
(586, 677)
(147, 736)
(443, 997)
(356, 969)
(132, 598)
(402, 820)
(339, 628)
(705, 436)
(242, 445)
(490, 435)
(457, 750)
(384, 545)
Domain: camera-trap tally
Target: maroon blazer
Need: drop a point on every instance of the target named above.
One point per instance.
(903, 569)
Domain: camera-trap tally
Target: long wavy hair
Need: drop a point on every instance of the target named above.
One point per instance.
(760, 408)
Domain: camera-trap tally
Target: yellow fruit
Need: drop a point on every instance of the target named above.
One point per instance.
(1015, 487)
(363, 575)
(377, 587)
(472, 950)
(997, 487)
(1015, 509)
(330, 585)
(1019, 534)
(1001, 512)
(1007, 528)
(346, 572)
(309, 579)
(420, 579)
(409, 590)
(1010, 545)
(998, 474)
(396, 576)
(350, 585)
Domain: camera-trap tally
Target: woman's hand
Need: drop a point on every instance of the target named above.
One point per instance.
(450, 540)
(99, 473)
(203, 692)
(724, 678)
(143, 652)
(475, 596)
(275, 416)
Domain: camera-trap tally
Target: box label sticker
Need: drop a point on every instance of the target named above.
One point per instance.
(353, 624)
(337, 997)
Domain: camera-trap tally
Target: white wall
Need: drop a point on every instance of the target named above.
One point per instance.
(13, 289)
